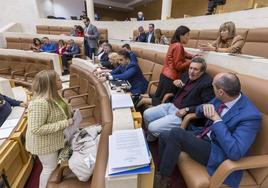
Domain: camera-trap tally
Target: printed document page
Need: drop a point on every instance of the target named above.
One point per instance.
(128, 149)
(121, 101)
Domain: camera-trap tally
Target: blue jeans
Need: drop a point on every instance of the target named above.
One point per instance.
(161, 118)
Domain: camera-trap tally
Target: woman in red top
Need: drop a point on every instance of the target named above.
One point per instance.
(79, 31)
(174, 65)
(61, 47)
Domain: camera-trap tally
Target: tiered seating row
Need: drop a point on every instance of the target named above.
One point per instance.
(22, 70)
(256, 40)
(58, 30)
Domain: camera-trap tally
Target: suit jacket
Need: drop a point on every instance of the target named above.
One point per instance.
(152, 38)
(46, 122)
(133, 74)
(74, 49)
(141, 38)
(232, 137)
(200, 93)
(93, 37)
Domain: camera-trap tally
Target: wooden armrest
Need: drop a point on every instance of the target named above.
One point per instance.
(228, 166)
(77, 55)
(70, 88)
(166, 97)
(5, 69)
(26, 75)
(187, 119)
(87, 107)
(150, 85)
(15, 72)
(147, 73)
(77, 96)
(57, 174)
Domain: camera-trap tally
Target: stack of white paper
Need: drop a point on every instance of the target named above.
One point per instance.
(128, 153)
(121, 101)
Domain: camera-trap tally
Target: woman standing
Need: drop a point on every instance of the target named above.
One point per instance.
(174, 65)
(48, 116)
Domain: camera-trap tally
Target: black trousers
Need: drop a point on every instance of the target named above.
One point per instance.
(173, 142)
(165, 86)
(65, 58)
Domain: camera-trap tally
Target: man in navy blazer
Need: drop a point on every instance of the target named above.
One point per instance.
(233, 122)
(129, 70)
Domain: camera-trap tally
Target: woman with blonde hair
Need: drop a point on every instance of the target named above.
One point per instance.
(160, 38)
(227, 41)
(48, 116)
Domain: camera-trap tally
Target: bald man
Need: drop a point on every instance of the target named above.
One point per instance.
(232, 125)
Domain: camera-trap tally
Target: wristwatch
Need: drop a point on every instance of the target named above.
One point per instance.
(187, 109)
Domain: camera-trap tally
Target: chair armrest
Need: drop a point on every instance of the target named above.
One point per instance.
(147, 74)
(15, 72)
(77, 96)
(57, 174)
(70, 88)
(150, 85)
(166, 97)
(26, 75)
(228, 166)
(5, 69)
(187, 119)
(77, 55)
(87, 107)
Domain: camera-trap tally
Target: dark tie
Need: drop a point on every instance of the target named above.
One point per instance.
(206, 129)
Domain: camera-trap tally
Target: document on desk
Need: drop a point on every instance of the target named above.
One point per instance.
(121, 101)
(5, 132)
(10, 123)
(127, 148)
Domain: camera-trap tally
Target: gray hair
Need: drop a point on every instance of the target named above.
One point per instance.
(201, 61)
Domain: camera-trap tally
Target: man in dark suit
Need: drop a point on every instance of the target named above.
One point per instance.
(91, 37)
(150, 35)
(212, 4)
(72, 49)
(142, 35)
(233, 122)
(195, 89)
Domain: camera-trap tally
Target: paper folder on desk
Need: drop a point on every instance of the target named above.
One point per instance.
(128, 153)
(121, 101)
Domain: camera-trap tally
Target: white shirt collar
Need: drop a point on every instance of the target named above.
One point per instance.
(230, 104)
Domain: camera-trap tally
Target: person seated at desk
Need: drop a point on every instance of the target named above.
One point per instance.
(233, 122)
(141, 36)
(150, 34)
(48, 46)
(104, 58)
(48, 116)
(61, 47)
(72, 49)
(212, 4)
(79, 31)
(227, 41)
(36, 45)
(128, 70)
(127, 48)
(6, 105)
(194, 88)
(160, 38)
